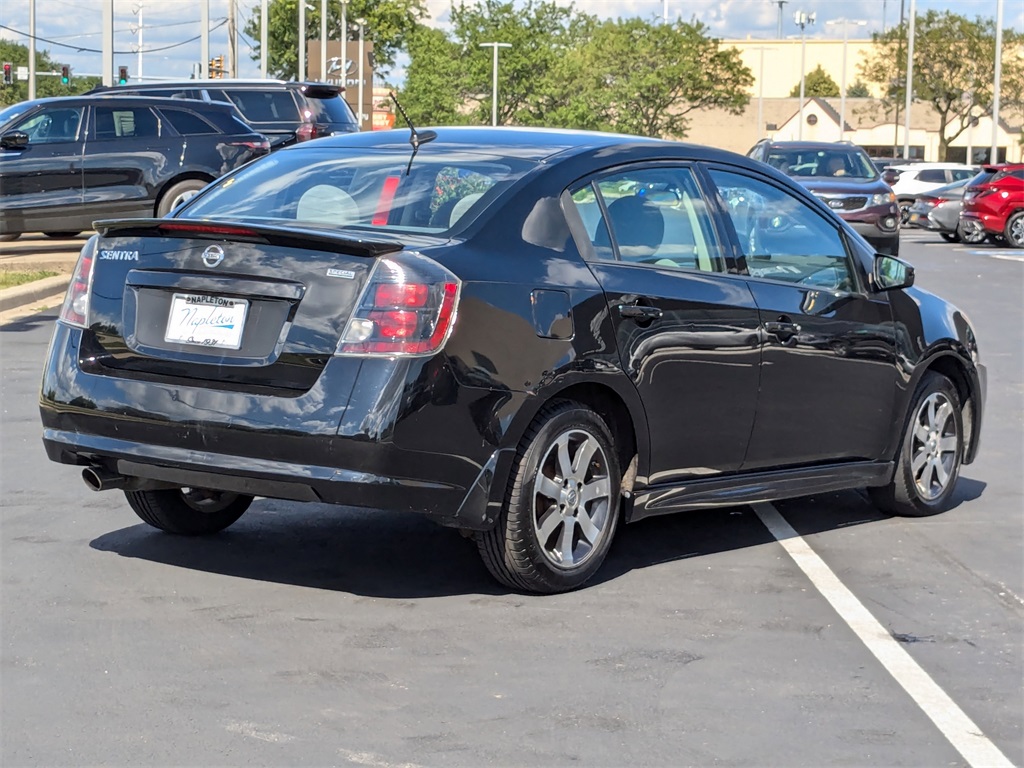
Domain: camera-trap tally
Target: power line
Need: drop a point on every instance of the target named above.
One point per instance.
(219, 24)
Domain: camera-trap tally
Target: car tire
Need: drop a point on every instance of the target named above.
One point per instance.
(931, 451)
(950, 237)
(10, 237)
(1014, 232)
(188, 511)
(971, 233)
(552, 507)
(62, 235)
(905, 206)
(178, 193)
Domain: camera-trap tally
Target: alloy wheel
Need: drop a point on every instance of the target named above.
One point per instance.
(934, 446)
(572, 499)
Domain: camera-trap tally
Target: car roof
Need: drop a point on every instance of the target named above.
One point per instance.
(923, 166)
(150, 101)
(814, 144)
(528, 143)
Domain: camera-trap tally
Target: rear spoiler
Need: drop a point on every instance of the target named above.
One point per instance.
(290, 237)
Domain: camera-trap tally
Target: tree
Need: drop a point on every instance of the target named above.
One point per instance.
(433, 81)
(389, 23)
(645, 78)
(954, 69)
(858, 90)
(46, 85)
(817, 82)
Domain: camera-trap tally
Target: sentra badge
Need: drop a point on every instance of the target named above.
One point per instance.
(119, 255)
(213, 256)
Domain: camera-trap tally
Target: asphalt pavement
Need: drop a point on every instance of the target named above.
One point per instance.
(319, 635)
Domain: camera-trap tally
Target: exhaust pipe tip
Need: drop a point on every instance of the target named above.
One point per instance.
(100, 479)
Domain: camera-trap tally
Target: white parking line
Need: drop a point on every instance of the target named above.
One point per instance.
(955, 725)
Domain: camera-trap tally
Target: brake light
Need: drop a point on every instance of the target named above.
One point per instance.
(306, 132)
(182, 225)
(407, 308)
(75, 310)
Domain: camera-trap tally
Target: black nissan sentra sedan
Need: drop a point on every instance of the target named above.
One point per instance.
(528, 335)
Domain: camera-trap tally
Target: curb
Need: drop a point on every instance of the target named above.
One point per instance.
(20, 295)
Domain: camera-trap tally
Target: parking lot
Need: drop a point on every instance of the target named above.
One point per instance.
(317, 635)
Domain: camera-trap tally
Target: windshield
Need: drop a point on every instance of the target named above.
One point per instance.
(849, 162)
(334, 188)
(13, 112)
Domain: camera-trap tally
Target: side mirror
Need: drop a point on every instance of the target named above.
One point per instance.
(14, 140)
(891, 273)
(890, 177)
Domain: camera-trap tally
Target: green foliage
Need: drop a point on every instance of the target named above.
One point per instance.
(859, 90)
(818, 82)
(954, 69)
(567, 69)
(388, 22)
(46, 85)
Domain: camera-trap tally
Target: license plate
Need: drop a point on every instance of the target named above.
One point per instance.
(206, 321)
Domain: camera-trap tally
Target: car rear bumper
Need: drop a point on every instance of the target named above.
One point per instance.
(990, 222)
(383, 437)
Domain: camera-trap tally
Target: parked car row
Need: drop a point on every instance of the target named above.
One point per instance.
(142, 150)
(988, 206)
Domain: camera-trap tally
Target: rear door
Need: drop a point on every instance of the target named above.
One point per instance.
(41, 183)
(686, 329)
(828, 374)
(128, 158)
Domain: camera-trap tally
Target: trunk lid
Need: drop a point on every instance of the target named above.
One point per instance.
(223, 305)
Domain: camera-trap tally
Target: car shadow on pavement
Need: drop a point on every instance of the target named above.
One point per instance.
(377, 553)
(29, 322)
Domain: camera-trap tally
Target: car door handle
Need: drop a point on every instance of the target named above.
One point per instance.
(639, 312)
(782, 329)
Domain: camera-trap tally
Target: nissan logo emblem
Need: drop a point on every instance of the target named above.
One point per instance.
(213, 256)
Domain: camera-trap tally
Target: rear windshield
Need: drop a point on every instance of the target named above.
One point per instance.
(335, 188)
(329, 109)
(982, 178)
(850, 163)
(261, 106)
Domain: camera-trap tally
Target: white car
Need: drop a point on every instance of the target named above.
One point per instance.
(916, 178)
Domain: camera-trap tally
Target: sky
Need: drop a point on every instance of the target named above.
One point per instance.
(68, 29)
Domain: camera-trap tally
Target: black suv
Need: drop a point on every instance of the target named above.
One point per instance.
(67, 161)
(285, 111)
(842, 176)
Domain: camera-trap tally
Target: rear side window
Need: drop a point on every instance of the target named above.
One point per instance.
(126, 123)
(933, 176)
(344, 188)
(187, 123)
(264, 106)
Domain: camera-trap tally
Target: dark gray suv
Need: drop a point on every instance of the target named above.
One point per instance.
(284, 111)
(842, 176)
(68, 161)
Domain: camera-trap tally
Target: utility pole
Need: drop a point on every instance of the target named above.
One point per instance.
(264, 40)
(760, 91)
(842, 94)
(910, 80)
(32, 49)
(802, 20)
(302, 41)
(232, 38)
(323, 41)
(204, 39)
(107, 68)
(899, 60)
(994, 154)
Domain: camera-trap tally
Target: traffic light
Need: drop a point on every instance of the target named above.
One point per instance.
(216, 71)
(8, 73)
(65, 74)
(122, 75)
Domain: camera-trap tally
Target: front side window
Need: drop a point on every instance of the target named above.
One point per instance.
(51, 126)
(782, 237)
(126, 123)
(653, 216)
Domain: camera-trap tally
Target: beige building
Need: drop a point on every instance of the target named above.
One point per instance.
(866, 123)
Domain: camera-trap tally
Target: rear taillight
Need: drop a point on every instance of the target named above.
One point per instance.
(263, 145)
(407, 308)
(306, 132)
(76, 301)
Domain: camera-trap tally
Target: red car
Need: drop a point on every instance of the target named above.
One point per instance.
(995, 202)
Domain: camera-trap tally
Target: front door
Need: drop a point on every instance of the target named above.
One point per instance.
(687, 331)
(41, 183)
(828, 375)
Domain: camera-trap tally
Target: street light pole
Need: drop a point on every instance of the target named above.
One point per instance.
(362, 60)
(842, 95)
(264, 38)
(494, 78)
(802, 19)
(994, 154)
(910, 80)
(760, 91)
(302, 41)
